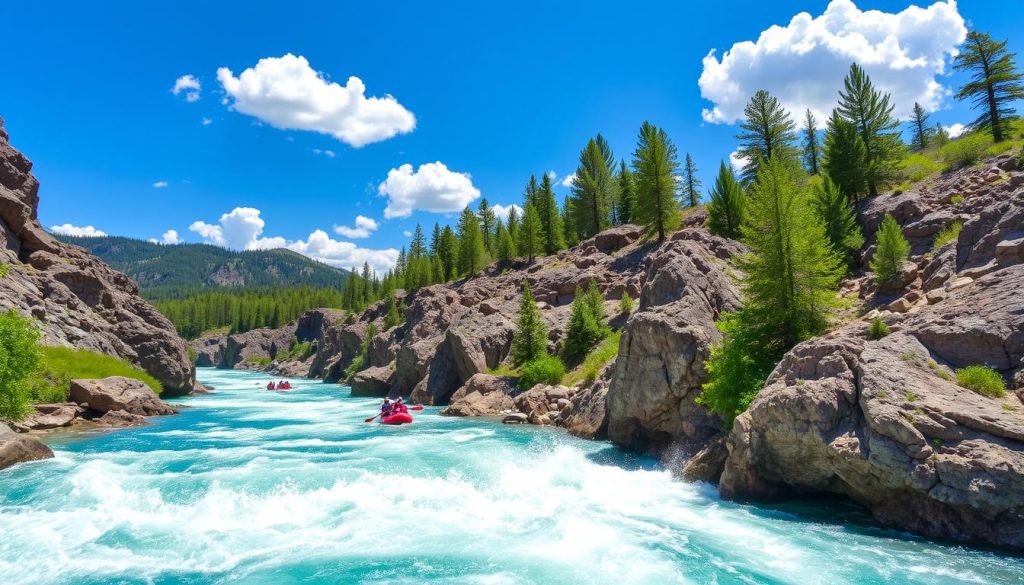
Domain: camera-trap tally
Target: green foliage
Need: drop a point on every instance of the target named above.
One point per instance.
(552, 231)
(257, 360)
(891, 250)
(625, 303)
(51, 382)
(947, 234)
(543, 369)
(956, 199)
(871, 112)
(595, 360)
(244, 309)
(878, 329)
(767, 131)
(691, 184)
(587, 325)
(845, 156)
(488, 224)
(627, 194)
(472, 254)
(5, 269)
(393, 316)
(727, 209)
(530, 339)
(839, 219)
(983, 380)
(531, 238)
(919, 125)
(353, 368)
(593, 188)
(917, 166)
(505, 248)
(995, 82)
(297, 350)
(448, 254)
(965, 151)
(193, 355)
(655, 165)
(19, 358)
(811, 147)
(737, 368)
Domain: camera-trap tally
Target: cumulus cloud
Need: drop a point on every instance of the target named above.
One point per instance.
(327, 153)
(432, 187)
(170, 238)
(407, 233)
(242, 229)
(568, 180)
(74, 230)
(955, 130)
(189, 85)
(207, 121)
(364, 227)
(160, 184)
(287, 93)
(502, 211)
(320, 246)
(738, 162)
(804, 62)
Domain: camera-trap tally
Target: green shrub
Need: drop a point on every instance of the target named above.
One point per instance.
(543, 369)
(5, 269)
(60, 365)
(891, 251)
(918, 166)
(999, 148)
(625, 303)
(193, 355)
(947, 234)
(586, 326)
(19, 357)
(956, 199)
(353, 368)
(737, 369)
(965, 151)
(878, 329)
(983, 380)
(297, 351)
(595, 360)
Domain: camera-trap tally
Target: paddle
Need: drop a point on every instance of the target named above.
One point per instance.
(372, 417)
(414, 407)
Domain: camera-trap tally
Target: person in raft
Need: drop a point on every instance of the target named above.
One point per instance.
(386, 408)
(270, 385)
(399, 406)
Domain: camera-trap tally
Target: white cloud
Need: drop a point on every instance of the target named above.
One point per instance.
(502, 211)
(287, 93)
(804, 62)
(737, 162)
(170, 237)
(568, 180)
(364, 227)
(432, 187)
(207, 121)
(73, 230)
(189, 85)
(160, 184)
(320, 246)
(407, 233)
(327, 153)
(955, 130)
(552, 175)
(152, 241)
(242, 228)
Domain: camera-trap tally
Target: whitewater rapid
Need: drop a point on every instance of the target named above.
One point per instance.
(250, 486)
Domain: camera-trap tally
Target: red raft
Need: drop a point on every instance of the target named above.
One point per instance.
(399, 418)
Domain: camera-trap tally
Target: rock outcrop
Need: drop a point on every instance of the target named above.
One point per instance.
(119, 393)
(16, 448)
(883, 421)
(483, 395)
(76, 299)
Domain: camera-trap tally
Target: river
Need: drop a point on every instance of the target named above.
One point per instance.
(257, 487)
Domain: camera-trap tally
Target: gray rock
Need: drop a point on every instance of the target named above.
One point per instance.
(482, 395)
(16, 448)
(119, 393)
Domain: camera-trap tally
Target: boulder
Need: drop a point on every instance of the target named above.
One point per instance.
(482, 395)
(16, 448)
(51, 416)
(375, 381)
(119, 393)
(121, 418)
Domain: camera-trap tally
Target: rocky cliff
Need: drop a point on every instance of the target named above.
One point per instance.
(884, 421)
(77, 300)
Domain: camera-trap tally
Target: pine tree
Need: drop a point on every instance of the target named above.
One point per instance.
(995, 82)
(767, 131)
(449, 253)
(530, 193)
(691, 184)
(572, 235)
(531, 239)
(472, 254)
(655, 165)
(871, 112)
(552, 232)
(392, 317)
(505, 248)
(812, 151)
(919, 121)
(512, 225)
(845, 157)
(836, 213)
(891, 250)
(530, 339)
(727, 208)
(627, 194)
(592, 189)
(587, 324)
(487, 223)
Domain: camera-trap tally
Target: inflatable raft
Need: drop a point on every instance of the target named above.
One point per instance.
(399, 418)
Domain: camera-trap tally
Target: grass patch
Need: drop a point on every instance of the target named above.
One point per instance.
(983, 380)
(257, 361)
(298, 351)
(965, 151)
(956, 199)
(912, 397)
(595, 360)
(878, 329)
(947, 234)
(918, 166)
(60, 365)
(544, 369)
(505, 370)
(5, 269)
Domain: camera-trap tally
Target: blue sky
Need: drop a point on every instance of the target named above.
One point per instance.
(497, 92)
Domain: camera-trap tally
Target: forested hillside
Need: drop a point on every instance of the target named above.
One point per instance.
(172, 271)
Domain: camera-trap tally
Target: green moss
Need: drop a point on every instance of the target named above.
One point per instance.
(5, 269)
(60, 365)
(947, 234)
(956, 199)
(912, 397)
(983, 380)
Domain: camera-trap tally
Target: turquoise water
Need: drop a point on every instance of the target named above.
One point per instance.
(249, 486)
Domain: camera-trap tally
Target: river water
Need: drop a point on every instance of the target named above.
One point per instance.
(257, 487)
